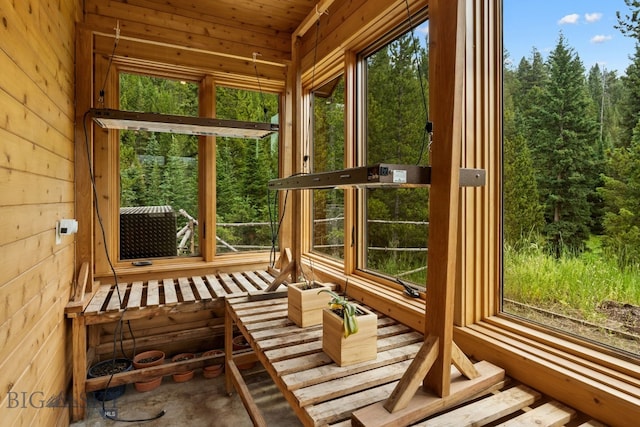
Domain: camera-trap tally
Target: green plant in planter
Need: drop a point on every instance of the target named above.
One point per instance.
(348, 310)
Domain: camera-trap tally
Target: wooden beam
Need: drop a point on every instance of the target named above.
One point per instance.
(311, 18)
(84, 198)
(462, 362)
(244, 393)
(410, 381)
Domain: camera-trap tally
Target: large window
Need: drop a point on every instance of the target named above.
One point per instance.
(396, 231)
(158, 173)
(245, 211)
(161, 204)
(328, 155)
(571, 240)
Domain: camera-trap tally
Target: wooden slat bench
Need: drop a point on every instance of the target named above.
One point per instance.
(320, 392)
(108, 303)
(324, 394)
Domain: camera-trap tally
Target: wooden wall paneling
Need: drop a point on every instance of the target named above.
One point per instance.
(21, 121)
(55, 112)
(14, 293)
(215, 14)
(84, 145)
(207, 172)
(21, 66)
(270, 14)
(24, 295)
(150, 24)
(31, 331)
(40, 246)
(50, 36)
(45, 378)
(23, 23)
(40, 159)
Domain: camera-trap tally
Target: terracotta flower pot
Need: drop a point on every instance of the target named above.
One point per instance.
(143, 386)
(147, 359)
(215, 370)
(240, 344)
(181, 377)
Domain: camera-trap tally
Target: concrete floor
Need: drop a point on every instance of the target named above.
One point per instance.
(200, 402)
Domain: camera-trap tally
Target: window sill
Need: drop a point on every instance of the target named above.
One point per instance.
(164, 268)
(597, 383)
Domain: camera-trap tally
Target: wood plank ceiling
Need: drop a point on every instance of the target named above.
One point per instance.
(213, 36)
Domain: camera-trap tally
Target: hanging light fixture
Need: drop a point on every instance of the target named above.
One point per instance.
(153, 122)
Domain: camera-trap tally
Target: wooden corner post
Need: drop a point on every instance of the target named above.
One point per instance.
(433, 364)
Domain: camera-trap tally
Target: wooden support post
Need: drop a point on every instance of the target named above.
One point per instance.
(228, 346)
(84, 194)
(446, 23)
(79, 362)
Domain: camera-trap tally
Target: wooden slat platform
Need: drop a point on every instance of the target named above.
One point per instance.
(318, 390)
(322, 393)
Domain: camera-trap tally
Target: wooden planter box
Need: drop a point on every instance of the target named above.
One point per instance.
(305, 305)
(359, 347)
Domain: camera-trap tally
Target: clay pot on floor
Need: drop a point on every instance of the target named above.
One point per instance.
(215, 370)
(181, 377)
(147, 359)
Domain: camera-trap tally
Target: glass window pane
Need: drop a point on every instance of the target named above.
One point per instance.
(158, 173)
(571, 242)
(245, 210)
(328, 155)
(396, 117)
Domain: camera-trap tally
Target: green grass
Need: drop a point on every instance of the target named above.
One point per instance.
(575, 285)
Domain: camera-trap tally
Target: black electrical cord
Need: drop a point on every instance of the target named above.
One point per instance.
(428, 128)
(119, 330)
(275, 229)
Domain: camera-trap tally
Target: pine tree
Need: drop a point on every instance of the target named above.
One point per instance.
(621, 193)
(564, 153)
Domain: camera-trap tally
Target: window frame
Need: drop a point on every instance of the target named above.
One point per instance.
(107, 180)
(590, 378)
